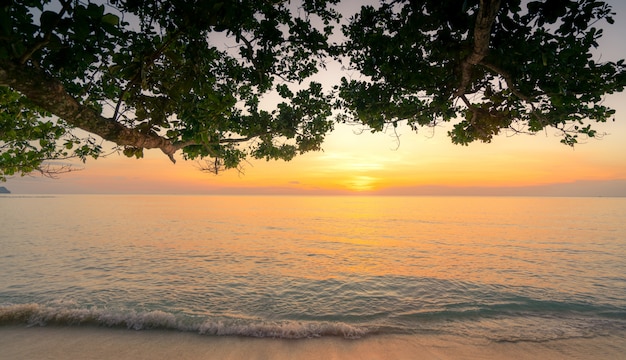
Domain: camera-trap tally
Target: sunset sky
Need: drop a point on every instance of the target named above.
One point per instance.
(356, 161)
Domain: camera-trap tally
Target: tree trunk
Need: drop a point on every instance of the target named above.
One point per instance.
(487, 11)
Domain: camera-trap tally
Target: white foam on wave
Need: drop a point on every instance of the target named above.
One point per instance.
(35, 314)
(283, 330)
(138, 321)
(39, 315)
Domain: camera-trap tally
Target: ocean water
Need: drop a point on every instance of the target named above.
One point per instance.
(501, 269)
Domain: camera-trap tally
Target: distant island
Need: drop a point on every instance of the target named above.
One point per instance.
(4, 190)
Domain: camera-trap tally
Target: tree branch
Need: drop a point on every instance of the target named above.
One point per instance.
(50, 95)
(508, 79)
(46, 38)
(149, 61)
(254, 62)
(487, 11)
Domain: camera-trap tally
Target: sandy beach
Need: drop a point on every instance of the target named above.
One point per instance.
(18, 342)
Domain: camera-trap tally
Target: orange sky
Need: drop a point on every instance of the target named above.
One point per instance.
(365, 162)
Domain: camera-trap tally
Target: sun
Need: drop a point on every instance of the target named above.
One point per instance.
(361, 183)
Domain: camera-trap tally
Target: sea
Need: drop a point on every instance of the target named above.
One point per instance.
(502, 269)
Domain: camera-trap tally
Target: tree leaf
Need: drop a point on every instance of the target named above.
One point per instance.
(48, 20)
(111, 19)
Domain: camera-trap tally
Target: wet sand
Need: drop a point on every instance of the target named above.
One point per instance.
(18, 342)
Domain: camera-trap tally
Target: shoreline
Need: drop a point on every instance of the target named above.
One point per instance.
(20, 342)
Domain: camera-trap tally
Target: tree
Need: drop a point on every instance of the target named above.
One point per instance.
(487, 65)
(189, 76)
(172, 75)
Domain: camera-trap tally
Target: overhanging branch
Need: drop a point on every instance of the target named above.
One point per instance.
(50, 95)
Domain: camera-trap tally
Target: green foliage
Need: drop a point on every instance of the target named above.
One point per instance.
(187, 73)
(192, 75)
(28, 137)
(539, 70)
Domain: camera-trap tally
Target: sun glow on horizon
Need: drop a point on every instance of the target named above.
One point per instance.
(361, 183)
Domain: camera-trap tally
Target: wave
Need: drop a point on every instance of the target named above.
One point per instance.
(519, 320)
(40, 315)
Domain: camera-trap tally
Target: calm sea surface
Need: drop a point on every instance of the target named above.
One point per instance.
(503, 269)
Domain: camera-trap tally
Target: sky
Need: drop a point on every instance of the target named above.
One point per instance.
(354, 161)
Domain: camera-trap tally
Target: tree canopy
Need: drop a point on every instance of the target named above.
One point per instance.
(173, 75)
(491, 64)
(191, 76)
